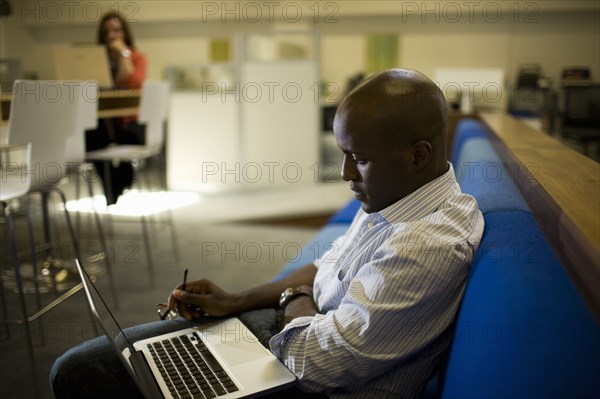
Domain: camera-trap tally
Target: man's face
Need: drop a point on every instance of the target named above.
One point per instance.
(378, 169)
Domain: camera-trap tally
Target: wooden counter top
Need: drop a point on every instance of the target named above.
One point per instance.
(562, 187)
(111, 103)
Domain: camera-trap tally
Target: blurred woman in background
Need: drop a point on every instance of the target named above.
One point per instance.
(128, 69)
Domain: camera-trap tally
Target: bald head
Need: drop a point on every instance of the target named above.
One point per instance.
(392, 130)
(401, 106)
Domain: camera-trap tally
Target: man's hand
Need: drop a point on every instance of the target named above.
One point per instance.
(202, 297)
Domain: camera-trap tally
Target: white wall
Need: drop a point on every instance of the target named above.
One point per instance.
(203, 144)
(178, 32)
(162, 52)
(426, 52)
(342, 56)
(553, 33)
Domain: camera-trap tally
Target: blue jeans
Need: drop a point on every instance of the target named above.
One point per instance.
(93, 370)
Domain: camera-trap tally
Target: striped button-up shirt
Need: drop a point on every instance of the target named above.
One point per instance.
(387, 292)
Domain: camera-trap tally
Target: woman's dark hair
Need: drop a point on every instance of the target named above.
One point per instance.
(127, 37)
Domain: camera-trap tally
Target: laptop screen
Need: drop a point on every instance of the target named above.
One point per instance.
(107, 323)
(83, 63)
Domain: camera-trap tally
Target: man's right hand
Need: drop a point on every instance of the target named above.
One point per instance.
(202, 297)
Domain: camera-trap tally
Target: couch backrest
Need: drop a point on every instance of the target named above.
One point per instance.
(522, 329)
(481, 174)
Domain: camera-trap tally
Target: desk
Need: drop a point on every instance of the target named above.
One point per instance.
(111, 103)
(562, 187)
(117, 103)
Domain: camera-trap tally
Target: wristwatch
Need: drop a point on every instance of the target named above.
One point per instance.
(291, 292)
(126, 53)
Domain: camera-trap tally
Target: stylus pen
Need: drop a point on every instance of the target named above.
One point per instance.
(184, 279)
(185, 273)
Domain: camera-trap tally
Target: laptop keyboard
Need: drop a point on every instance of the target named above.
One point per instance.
(189, 369)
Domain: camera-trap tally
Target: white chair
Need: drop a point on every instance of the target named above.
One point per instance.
(45, 114)
(153, 114)
(16, 183)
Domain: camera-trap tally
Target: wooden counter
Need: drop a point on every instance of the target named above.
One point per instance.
(111, 103)
(115, 103)
(562, 187)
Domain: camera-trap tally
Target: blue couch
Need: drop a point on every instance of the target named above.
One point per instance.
(522, 330)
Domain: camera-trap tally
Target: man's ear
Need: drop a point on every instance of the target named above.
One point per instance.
(422, 154)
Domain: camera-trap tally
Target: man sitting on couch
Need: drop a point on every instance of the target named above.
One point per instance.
(372, 316)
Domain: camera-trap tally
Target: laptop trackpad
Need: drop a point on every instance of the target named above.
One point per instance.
(235, 353)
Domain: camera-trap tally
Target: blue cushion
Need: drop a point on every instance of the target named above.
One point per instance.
(522, 330)
(347, 213)
(315, 248)
(466, 129)
(481, 173)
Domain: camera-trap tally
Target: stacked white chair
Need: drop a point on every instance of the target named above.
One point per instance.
(45, 114)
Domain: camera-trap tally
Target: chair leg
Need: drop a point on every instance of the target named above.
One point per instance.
(169, 214)
(4, 320)
(174, 239)
(149, 260)
(161, 184)
(34, 264)
(15, 256)
(48, 238)
(108, 182)
(77, 198)
(104, 244)
(76, 247)
(146, 236)
(34, 260)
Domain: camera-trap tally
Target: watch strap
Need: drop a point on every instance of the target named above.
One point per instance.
(291, 292)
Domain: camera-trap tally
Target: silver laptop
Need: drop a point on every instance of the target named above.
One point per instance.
(221, 358)
(89, 62)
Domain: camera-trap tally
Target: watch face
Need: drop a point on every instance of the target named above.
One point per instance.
(290, 293)
(285, 295)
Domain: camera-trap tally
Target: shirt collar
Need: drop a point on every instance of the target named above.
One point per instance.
(423, 201)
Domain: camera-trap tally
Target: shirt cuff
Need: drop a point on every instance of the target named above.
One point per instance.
(282, 340)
